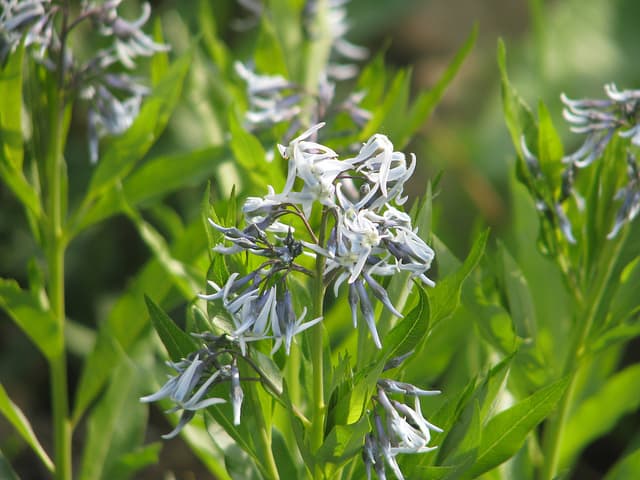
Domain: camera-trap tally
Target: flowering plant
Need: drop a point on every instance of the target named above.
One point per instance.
(307, 318)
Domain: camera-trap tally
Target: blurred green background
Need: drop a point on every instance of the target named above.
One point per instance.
(571, 46)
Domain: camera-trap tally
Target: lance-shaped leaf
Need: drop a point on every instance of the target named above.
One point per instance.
(14, 415)
(39, 324)
(599, 413)
(506, 432)
(178, 343)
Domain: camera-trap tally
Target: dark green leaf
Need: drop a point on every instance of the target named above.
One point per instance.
(135, 460)
(178, 343)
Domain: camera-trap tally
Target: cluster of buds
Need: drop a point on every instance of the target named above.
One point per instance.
(113, 97)
(397, 427)
(274, 99)
(599, 120)
(215, 363)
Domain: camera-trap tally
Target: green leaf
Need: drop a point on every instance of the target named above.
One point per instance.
(343, 442)
(115, 411)
(409, 332)
(157, 178)
(550, 150)
(518, 295)
(128, 319)
(14, 415)
(122, 154)
(518, 116)
(283, 454)
(506, 432)
(388, 115)
(186, 281)
(6, 471)
(268, 56)
(427, 101)
(444, 299)
(160, 60)
(626, 468)
(11, 143)
(251, 159)
(135, 460)
(39, 324)
(178, 343)
(11, 110)
(625, 301)
(599, 413)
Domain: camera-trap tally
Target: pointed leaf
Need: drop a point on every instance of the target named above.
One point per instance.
(178, 343)
(14, 415)
(39, 324)
(506, 432)
(125, 151)
(600, 412)
(444, 299)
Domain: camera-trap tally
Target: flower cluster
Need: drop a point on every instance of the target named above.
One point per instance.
(113, 98)
(599, 120)
(274, 99)
(364, 236)
(369, 238)
(195, 376)
(397, 428)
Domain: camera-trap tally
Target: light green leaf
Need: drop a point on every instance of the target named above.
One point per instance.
(11, 111)
(251, 159)
(160, 60)
(178, 343)
(39, 324)
(11, 144)
(14, 415)
(506, 432)
(343, 442)
(444, 299)
(388, 115)
(517, 114)
(268, 56)
(157, 178)
(122, 154)
(550, 151)
(599, 413)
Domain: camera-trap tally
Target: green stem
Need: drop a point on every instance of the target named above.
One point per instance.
(317, 347)
(574, 360)
(318, 49)
(55, 248)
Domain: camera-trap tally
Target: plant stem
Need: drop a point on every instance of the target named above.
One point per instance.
(574, 360)
(317, 346)
(55, 248)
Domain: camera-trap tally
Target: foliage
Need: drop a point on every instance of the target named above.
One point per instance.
(310, 311)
